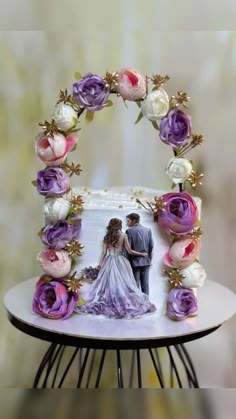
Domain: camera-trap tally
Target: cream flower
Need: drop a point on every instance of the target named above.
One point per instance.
(131, 84)
(155, 105)
(64, 116)
(178, 169)
(56, 209)
(195, 276)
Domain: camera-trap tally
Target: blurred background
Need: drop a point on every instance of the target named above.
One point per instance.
(35, 65)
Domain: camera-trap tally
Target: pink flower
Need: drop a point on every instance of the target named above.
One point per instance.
(182, 252)
(53, 150)
(55, 263)
(52, 299)
(131, 84)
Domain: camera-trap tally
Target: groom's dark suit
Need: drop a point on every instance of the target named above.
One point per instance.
(140, 240)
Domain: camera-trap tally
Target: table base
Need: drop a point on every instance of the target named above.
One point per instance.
(167, 367)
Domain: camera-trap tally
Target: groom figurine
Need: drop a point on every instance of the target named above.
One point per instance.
(140, 239)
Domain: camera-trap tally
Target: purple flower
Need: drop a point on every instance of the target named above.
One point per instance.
(90, 273)
(91, 92)
(52, 181)
(175, 128)
(52, 299)
(181, 303)
(180, 213)
(57, 235)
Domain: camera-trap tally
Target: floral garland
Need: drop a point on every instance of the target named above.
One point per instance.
(57, 290)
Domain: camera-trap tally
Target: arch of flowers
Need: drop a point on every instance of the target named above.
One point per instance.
(58, 290)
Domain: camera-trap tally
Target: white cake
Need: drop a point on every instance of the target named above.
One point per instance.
(100, 205)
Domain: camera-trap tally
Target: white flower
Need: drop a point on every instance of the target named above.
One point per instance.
(64, 116)
(178, 169)
(55, 209)
(195, 275)
(155, 105)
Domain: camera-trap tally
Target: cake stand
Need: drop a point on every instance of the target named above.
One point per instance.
(152, 339)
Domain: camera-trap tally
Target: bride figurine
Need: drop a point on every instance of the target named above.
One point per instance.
(115, 293)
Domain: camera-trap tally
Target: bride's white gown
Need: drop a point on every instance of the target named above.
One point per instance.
(115, 293)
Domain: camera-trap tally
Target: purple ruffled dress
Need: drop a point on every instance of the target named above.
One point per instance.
(115, 293)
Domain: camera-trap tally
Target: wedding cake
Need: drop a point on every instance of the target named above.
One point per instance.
(76, 220)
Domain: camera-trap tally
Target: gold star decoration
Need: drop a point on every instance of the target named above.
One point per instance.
(65, 98)
(197, 232)
(71, 168)
(197, 140)
(74, 248)
(195, 179)
(158, 205)
(73, 283)
(180, 99)
(111, 80)
(49, 128)
(76, 203)
(175, 277)
(158, 80)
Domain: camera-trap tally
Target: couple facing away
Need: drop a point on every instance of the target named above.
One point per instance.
(121, 288)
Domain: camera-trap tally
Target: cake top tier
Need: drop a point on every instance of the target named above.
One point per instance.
(118, 197)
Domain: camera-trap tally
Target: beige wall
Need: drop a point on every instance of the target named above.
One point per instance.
(34, 66)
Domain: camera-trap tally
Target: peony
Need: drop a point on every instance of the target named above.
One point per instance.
(180, 213)
(53, 300)
(55, 263)
(182, 252)
(175, 128)
(64, 116)
(195, 275)
(59, 234)
(52, 181)
(181, 303)
(53, 150)
(178, 169)
(131, 84)
(56, 209)
(91, 92)
(155, 105)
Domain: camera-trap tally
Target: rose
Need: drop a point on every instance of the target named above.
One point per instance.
(55, 209)
(53, 300)
(64, 116)
(181, 303)
(175, 128)
(52, 181)
(195, 275)
(53, 150)
(91, 92)
(180, 213)
(155, 105)
(182, 252)
(55, 263)
(59, 234)
(131, 84)
(178, 169)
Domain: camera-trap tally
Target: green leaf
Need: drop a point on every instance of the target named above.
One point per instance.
(108, 104)
(173, 185)
(34, 182)
(78, 75)
(80, 302)
(89, 116)
(125, 103)
(74, 148)
(138, 103)
(40, 233)
(47, 279)
(155, 125)
(140, 116)
(74, 130)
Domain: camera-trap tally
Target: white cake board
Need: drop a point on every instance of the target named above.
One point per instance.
(217, 304)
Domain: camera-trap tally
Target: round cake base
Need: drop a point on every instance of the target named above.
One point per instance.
(217, 304)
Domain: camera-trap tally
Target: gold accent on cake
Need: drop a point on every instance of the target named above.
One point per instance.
(175, 277)
(49, 128)
(180, 99)
(76, 203)
(158, 80)
(71, 168)
(73, 283)
(195, 179)
(74, 248)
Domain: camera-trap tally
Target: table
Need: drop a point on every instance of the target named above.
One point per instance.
(93, 337)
